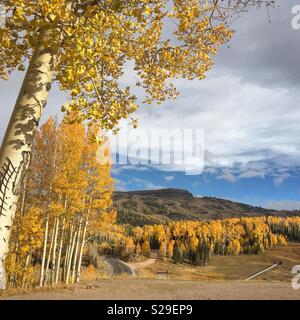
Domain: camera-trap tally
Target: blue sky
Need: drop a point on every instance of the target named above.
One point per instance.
(248, 107)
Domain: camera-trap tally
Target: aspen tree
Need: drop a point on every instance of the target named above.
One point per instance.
(42, 271)
(198, 240)
(78, 270)
(42, 168)
(74, 191)
(53, 259)
(71, 256)
(58, 263)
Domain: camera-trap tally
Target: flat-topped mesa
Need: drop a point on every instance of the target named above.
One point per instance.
(166, 193)
(144, 207)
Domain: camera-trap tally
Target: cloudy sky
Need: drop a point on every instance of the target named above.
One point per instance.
(248, 107)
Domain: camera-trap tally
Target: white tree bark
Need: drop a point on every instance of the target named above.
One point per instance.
(57, 268)
(54, 251)
(78, 271)
(25, 269)
(71, 257)
(73, 269)
(42, 272)
(16, 147)
(68, 248)
(49, 253)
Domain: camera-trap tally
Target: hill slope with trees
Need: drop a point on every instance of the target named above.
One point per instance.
(154, 206)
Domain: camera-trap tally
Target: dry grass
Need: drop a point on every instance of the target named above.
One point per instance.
(166, 270)
(230, 267)
(19, 291)
(240, 267)
(101, 272)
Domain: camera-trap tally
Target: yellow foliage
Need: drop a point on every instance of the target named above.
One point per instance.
(229, 236)
(93, 44)
(67, 185)
(145, 247)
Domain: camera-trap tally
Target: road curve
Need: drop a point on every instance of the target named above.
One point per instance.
(118, 266)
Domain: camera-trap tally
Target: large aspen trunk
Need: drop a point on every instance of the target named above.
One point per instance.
(22, 213)
(11, 280)
(42, 272)
(16, 147)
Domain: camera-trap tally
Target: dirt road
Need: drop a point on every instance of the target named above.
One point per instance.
(135, 289)
(118, 266)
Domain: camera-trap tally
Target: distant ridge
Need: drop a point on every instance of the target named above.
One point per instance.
(156, 206)
(168, 193)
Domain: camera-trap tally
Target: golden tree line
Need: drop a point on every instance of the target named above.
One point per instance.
(290, 227)
(67, 195)
(195, 241)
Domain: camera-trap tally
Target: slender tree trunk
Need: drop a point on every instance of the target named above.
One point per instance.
(73, 269)
(54, 250)
(27, 261)
(42, 273)
(78, 271)
(71, 253)
(49, 253)
(16, 147)
(57, 269)
(68, 248)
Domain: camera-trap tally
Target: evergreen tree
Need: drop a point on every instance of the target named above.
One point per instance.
(198, 259)
(177, 254)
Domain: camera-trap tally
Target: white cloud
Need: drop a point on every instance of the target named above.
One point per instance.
(148, 185)
(211, 170)
(169, 178)
(283, 205)
(251, 174)
(145, 184)
(280, 178)
(227, 175)
(243, 122)
(278, 181)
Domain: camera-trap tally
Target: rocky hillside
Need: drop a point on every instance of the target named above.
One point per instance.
(156, 206)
